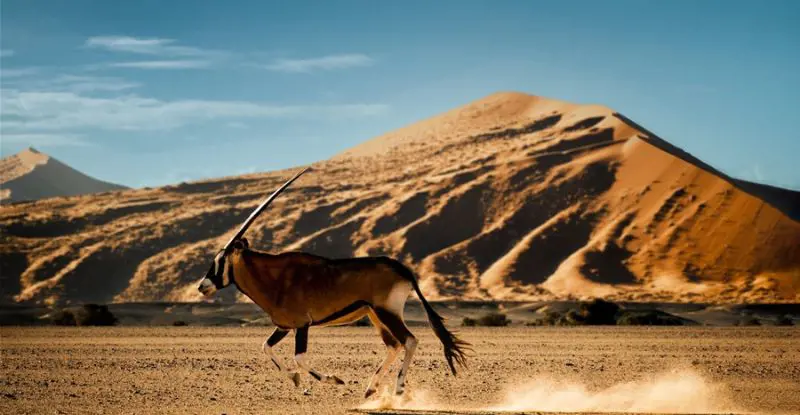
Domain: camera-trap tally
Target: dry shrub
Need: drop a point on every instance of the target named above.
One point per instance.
(648, 318)
(601, 312)
(749, 321)
(487, 320)
(598, 312)
(85, 315)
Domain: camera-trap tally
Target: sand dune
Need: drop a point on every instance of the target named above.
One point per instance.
(32, 175)
(511, 197)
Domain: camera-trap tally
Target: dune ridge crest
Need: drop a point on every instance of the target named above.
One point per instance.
(512, 197)
(32, 175)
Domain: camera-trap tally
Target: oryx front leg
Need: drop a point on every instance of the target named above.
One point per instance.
(273, 339)
(300, 347)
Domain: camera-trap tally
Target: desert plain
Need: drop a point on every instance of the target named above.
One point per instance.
(514, 203)
(215, 370)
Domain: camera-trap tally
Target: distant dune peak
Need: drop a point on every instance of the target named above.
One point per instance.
(512, 197)
(32, 175)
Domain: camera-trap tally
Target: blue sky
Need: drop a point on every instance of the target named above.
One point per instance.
(149, 92)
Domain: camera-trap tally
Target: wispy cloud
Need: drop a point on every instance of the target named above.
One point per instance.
(83, 83)
(237, 125)
(144, 46)
(18, 72)
(33, 112)
(753, 173)
(172, 54)
(323, 63)
(6, 53)
(72, 83)
(163, 64)
(45, 140)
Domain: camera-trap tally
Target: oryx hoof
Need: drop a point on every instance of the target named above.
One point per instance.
(295, 379)
(369, 393)
(334, 380)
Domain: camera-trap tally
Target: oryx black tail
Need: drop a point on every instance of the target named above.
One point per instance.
(454, 348)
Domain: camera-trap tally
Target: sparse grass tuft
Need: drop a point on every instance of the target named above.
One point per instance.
(749, 321)
(487, 320)
(86, 315)
(648, 318)
(601, 312)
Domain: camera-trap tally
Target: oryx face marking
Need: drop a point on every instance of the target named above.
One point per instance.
(218, 275)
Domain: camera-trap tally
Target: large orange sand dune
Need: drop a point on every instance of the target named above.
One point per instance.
(510, 197)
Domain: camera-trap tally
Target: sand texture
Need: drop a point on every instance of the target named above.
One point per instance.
(511, 197)
(222, 370)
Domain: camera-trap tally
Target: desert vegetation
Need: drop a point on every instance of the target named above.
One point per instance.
(600, 312)
(493, 319)
(85, 315)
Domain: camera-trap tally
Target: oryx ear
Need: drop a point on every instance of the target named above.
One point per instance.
(241, 243)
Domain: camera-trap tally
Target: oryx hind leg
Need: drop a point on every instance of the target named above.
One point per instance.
(300, 347)
(271, 341)
(400, 331)
(392, 349)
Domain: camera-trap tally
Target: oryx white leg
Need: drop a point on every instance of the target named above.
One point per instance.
(410, 346)
(271, 341)
(394, 322)
(391, 356)
(300, 347)
(392, 349)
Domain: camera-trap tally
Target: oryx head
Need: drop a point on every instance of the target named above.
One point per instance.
(220, 274)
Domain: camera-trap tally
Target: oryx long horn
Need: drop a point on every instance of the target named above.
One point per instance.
(261, 208)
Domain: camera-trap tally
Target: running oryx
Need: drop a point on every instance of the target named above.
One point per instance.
(300, 290)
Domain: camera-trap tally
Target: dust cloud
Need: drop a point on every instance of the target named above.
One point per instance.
(681, 391)
(413, 399)
(678, 391)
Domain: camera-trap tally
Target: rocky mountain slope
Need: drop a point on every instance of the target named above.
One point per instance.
(32, 175)
(510, 197)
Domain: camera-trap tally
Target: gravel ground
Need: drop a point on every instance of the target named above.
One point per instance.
(222, 370)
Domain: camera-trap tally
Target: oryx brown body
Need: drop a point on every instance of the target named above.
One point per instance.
(300, 290)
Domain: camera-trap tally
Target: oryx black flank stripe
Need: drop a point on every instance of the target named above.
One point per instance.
(352, 308)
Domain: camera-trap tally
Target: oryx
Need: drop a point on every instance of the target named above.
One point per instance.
(300, 290)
